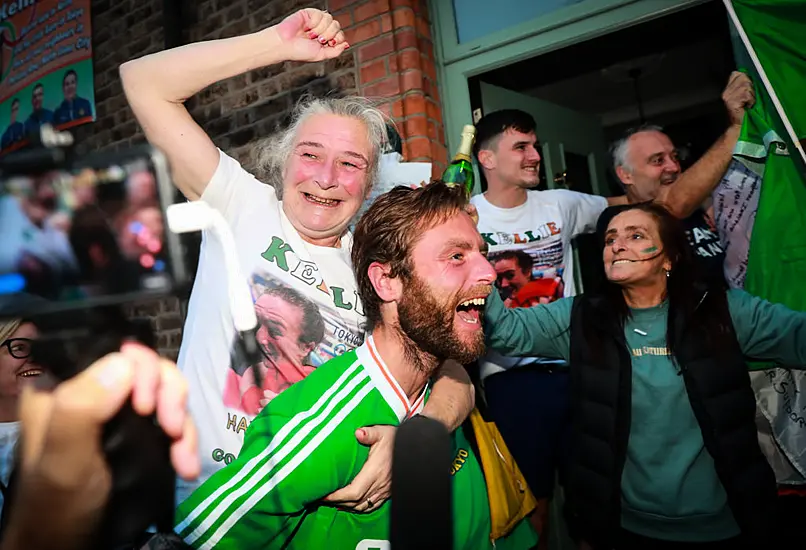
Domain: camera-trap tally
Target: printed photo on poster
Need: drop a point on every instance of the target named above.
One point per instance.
(46, 74)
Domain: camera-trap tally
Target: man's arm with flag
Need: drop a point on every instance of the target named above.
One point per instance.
(693, 186)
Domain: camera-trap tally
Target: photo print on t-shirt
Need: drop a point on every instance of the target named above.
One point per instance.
(295, 335)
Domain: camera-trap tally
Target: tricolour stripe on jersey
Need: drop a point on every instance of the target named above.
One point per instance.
(261, 465)
(286, 470)
(409, 409)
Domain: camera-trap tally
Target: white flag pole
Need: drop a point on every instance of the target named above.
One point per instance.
(766, 81)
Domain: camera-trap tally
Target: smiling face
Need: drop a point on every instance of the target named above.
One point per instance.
(442, 302)
(326, 178)
(633, 251)
(15, 363)
(280, 331)
(514, 159)
(69, 86)
(652, 163)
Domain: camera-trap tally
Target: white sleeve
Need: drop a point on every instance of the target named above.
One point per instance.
(232, 190)
(581, 210)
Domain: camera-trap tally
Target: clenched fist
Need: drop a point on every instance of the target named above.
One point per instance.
(311, 35)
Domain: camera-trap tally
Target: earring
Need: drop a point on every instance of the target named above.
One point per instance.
(667, 274)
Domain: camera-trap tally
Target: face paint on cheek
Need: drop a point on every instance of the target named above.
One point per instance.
(649, 250)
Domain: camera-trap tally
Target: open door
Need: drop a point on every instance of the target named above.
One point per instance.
(574, 154)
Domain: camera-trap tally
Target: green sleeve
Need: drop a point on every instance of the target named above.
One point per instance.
(768, 332)
(541, 330)
(296, 451)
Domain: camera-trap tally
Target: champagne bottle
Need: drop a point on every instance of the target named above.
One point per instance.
(460, 170)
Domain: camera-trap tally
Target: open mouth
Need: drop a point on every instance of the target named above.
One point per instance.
(470, 311)
(320, 201)
(30, 372)
(622, 261)
(531, 169)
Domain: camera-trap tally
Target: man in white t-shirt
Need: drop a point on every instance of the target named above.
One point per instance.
(322, 167)
(529, 404)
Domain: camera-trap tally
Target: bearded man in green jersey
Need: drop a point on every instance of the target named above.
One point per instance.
(423, 280)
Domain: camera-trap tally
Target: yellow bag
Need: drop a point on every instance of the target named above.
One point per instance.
(510, 498)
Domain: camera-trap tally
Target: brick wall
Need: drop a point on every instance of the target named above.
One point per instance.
(391, 58)
(393, 49)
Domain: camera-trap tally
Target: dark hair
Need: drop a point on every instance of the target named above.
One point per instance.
(15, 100)
(313, 326)
(391, 227)
(68, 73)
(683, 276)
(492, 125)
(36, 86)
(525, 261)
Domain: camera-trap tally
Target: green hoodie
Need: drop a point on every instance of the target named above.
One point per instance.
(670, 489)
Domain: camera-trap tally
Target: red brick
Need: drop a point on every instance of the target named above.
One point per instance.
(433, 111)
(425, 46)
(429, 68)
(423, 28)
(393, 64)
(370, 9)
(414, 104)
(336, 5)
(419, 148)
(411, 80)
(408, 59)
(401, 3)
(386, 108)
(405, 39)
(344, 18)
(383, 46)
(397, 108)
(373, 71)
(386, 23)
(362, 33)
(415, 126)
(403, 17)
(388, 87)
(440, 153)
(432, 130)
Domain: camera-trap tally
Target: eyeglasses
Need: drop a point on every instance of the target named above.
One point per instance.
(18, 348)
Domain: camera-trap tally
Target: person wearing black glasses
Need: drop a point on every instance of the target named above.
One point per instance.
(16, 367)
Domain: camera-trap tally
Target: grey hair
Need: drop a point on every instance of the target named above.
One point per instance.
(270, 155)
(620, 148)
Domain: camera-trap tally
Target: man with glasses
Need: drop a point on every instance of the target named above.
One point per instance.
(16, 369)
(15, 131)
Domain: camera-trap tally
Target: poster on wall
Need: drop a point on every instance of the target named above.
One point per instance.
(46, 71)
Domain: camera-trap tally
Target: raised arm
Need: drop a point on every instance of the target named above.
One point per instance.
(158, 85)
(693, 186)
(541, 330)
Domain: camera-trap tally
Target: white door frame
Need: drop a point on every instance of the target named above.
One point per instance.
(458, 62)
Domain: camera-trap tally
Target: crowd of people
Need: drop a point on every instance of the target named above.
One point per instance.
(635, 394)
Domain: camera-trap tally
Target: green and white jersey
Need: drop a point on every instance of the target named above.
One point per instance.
(302, 447)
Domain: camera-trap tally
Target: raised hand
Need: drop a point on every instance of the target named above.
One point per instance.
(311, 35)
(738, 96)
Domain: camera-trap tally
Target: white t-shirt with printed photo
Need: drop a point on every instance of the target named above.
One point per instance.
(298, 289)
(543, 227)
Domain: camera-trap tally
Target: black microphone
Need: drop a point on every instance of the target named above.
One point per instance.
(421, 506)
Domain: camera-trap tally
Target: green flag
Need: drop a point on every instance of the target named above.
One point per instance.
(771, 168)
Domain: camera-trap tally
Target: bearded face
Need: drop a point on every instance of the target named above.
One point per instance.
(430, 321)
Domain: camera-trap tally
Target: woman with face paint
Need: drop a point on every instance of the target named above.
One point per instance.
(663, 451)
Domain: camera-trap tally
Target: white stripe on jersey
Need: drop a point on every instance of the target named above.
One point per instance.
(275, 452)
(306, 451)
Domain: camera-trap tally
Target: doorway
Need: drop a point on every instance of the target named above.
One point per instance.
(586, 95)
